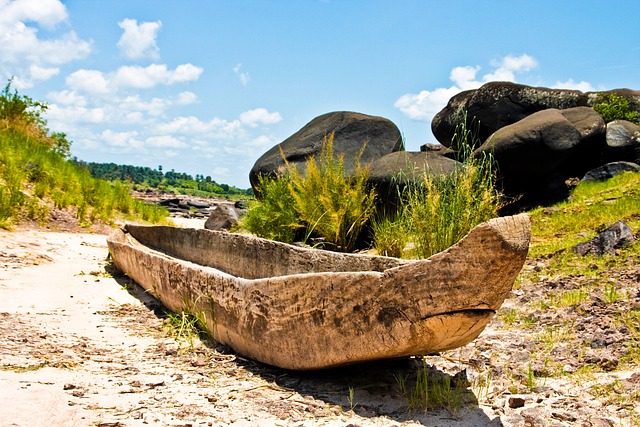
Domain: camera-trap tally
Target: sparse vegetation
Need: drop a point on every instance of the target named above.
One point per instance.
(36, 175)
(441, 209)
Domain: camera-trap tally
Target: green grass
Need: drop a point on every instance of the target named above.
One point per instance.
(438, 210)
(34, 179)
(432, 392)
(324, 202)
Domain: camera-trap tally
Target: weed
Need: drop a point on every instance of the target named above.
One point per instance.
(431, 392)
(611, 294)
(333, 205)
(352, 403)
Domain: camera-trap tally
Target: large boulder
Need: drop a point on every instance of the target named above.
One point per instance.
(590, 152)
(391, 173)
(498, 104)
(529, 152)
(354, 133)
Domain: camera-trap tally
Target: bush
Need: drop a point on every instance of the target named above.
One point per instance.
(438, 211)
(615, 107)
(331, 204)
(323, 201)
(273, 216)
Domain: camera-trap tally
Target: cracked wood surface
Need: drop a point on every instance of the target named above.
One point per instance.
(300, 308)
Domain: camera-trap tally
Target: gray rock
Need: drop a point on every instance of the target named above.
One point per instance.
(610, 170)
(498, 104)
(621, 133)
(531, 150)
(354, 133)
(391, 173)
(614, 237)
(222, 217)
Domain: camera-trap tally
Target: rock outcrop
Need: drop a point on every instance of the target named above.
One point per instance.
(355, 135)
(499, 104)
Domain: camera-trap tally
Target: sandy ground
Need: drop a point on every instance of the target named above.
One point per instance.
(81, 345)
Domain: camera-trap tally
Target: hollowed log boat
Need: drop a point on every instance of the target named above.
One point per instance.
(300, 308)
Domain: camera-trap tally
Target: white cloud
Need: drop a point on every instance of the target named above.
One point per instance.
(570, 84)
(122, 140)
(259, 116)
(465, 77)
(215, 128)
(132, 77)
(242, 75)
(164, 141)
(90, 81)
(186, 98)
(139, 41)
(47, 13)
(67, 97)
(425, 104)
(26, 55)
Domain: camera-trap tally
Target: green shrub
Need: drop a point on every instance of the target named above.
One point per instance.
(273, 216)
(330, 203)
(324, 202)
(616, 107)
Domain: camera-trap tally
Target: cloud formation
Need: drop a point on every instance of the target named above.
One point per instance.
(131, 77)
(138, 41)
(25, 54)
(242, 75)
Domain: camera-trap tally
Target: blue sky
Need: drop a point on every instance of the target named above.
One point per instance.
(207, 86)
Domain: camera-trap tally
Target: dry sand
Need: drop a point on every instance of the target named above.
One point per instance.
(80, 345)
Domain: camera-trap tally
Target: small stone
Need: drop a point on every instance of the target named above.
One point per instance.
(516, 402)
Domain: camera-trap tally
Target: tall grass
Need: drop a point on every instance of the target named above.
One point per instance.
(34, 178)
(438, 210)
(330, 203)
(323, 202)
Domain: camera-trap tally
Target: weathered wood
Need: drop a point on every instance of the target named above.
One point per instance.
(300, 308)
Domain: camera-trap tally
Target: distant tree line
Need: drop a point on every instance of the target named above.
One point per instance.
(144, 176)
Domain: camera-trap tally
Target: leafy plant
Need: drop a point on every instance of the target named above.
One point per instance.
(324, 201)
(612, 107)
(274, 215)
(331, 204)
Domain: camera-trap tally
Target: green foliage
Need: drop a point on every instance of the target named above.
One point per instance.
(616, 107)
(273, 216)
(389, 235)
(175, 182)
(324, 201)
(35, 174)
(439, 210)
(331, 204)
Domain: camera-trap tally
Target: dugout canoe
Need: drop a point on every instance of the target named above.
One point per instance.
(299, 308)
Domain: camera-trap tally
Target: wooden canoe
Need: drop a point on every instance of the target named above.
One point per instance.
(300, 308)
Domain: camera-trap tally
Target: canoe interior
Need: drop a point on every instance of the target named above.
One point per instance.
(250, 257)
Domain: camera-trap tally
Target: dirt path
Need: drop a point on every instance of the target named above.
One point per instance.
(82, 347)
